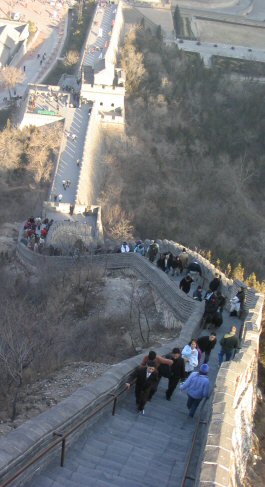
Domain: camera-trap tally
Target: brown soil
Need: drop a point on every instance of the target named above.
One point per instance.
(45, 393)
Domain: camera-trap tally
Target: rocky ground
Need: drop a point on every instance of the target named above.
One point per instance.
(128, 322)
(45, 393)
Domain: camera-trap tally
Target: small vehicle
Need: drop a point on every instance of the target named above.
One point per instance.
(232, 47)
(198, 43)
(215, 45)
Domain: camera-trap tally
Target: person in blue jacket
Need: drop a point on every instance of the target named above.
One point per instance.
(197, 386)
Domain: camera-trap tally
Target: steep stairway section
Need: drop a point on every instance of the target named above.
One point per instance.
(76, 123)
(128, 449)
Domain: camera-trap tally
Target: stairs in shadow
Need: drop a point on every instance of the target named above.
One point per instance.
(128, 449)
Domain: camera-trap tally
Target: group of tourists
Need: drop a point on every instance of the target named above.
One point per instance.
(35, 233)
(187, 367)
(175, 265)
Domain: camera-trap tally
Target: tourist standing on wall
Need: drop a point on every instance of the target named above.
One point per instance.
(185, 284)
(206, 344)
(191, 356)
(229, 344)
(176, 371)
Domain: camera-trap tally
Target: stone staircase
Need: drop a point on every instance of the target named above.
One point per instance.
(76, 122)
(128, 449)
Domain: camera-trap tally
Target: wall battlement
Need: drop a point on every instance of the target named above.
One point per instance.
(229, 438)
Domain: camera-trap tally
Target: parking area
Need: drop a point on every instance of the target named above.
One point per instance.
(44, 13)
(222, 32)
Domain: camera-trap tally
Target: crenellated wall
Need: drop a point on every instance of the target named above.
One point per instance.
(229, 439)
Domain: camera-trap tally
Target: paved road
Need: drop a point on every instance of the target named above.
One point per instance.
(258, 10)
(252, 9)
(36, 67)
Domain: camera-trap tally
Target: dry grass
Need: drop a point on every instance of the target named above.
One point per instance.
(26, 164)
(191, 166)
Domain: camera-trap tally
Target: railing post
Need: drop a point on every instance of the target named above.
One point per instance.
(114, 406)
(62, 452)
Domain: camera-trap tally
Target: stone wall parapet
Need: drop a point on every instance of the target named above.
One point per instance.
(229, 439)
(19, 446)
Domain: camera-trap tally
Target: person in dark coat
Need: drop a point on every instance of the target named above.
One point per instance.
(176, 371)
(161, 262)
(146, 384)
(211, 307)
(174, 263)
(185, 284)
(197, 295)
(195, 267)
(229, 344)
(206, 344)
(215, 283)
(221, 301)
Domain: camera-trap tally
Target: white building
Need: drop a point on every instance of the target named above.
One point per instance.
(13, 41)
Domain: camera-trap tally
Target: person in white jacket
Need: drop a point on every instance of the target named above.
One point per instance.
(190, 355)
(125, 248)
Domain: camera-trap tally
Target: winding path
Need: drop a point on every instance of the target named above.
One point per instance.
(131, 450)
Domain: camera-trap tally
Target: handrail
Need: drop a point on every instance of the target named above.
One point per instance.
(62, 437)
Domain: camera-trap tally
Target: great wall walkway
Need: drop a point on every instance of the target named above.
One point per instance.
(125, 450)
(76, 124)
(150, 450)
(128, 449)
(131, 450)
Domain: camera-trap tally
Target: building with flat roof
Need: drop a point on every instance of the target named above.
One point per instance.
(13, 40)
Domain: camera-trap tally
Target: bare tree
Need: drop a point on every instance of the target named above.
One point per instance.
(117, 223)
(10, 77)
(71, 58)
(41, 150)
(17, 347)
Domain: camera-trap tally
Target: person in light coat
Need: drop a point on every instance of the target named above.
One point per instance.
(191, 356)
(125, 248)
(197, 387)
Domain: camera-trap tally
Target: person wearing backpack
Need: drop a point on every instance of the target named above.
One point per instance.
(197, 387)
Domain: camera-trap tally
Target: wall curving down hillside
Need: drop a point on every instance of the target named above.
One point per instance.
(229, 438)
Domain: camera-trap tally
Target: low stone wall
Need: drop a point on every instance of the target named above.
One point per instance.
(229, 287)
(184, 307)
(229, 439)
